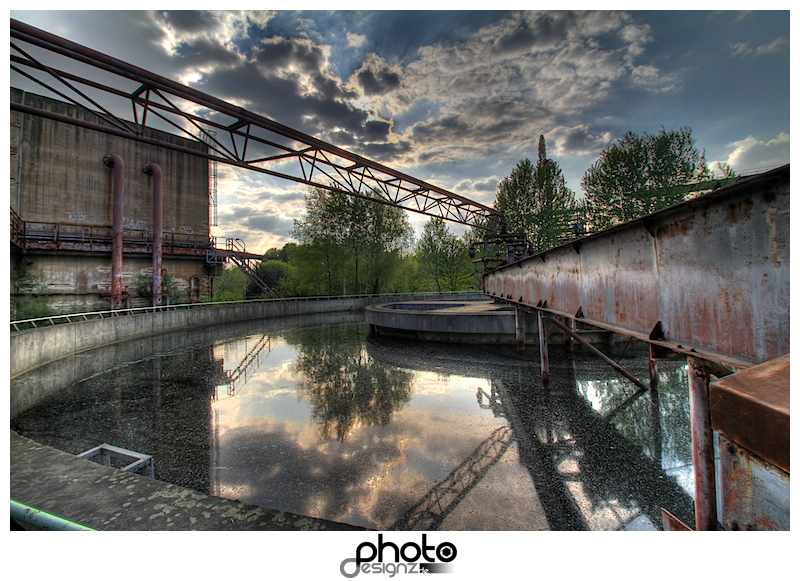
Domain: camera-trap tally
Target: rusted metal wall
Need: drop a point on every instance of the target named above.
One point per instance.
(58, 174)
(714, 271)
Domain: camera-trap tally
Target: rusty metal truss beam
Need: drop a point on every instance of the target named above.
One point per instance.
(707, 278)
(223, 132)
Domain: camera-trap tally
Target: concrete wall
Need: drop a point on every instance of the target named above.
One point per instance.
(58, 174)
(72, 282)
(29, 349)
(58, 178)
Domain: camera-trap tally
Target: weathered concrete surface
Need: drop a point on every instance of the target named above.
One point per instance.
(477, 322)
(35, 347)
(107, 499)
(59, 175)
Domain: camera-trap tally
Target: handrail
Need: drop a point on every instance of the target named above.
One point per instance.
(76, 317)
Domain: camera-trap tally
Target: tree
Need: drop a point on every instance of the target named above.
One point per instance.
(349, 242)
(443, 258)
(639, 175)
(323, 227)
(230, 285)
(536, 200)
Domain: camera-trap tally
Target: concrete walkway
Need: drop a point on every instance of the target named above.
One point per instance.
(112, 500)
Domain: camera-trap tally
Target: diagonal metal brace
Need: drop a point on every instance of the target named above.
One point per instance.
(595, 350)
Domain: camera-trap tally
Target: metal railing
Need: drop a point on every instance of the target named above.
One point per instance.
(27, 324)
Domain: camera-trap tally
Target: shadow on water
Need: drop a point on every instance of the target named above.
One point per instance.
(384, 433)
(598, 451)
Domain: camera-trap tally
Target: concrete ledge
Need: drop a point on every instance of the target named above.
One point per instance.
(476, 322)
(107, 499)
(34, 347)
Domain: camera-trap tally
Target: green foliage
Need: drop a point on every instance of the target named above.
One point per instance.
(231, 285)
(348, 245)
(640, 175)
(443, 259)
(536, 200)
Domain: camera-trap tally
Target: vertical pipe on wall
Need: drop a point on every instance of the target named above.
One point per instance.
(154, 170)
(115, 161)
(705, 502)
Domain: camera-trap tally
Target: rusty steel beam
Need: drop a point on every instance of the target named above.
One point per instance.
(712, 272)
(751, 408)
(624, 372)
(705, 487)
(235, 136)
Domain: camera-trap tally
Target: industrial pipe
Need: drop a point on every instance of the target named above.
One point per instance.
(154, 170)
(44, 520)
(115, 161)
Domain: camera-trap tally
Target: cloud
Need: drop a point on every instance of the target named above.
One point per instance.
(777, 45)
(578, 140)
(355, 40)
(742, 49)
(751, 153)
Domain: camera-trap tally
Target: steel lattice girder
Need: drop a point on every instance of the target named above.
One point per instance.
(708, 277)
(229, 131)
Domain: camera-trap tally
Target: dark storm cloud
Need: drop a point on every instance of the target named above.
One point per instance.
(386, 152)
(330, 88)
(577, 140)
(377, 82)
(544, 31)
(284, 99)
(446, 129)
(268, 223)
(190, 21)
(376, 130)
(280, 52)
(205, 52)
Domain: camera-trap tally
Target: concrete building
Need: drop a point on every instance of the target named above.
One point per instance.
(62, 209)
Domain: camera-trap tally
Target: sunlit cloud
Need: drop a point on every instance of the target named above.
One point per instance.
(751, 153)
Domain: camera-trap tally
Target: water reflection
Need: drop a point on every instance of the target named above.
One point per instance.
(389, 434)
(345, 386)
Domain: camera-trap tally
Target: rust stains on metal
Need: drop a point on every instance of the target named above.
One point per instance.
(714, 270)
(739, 211)
(670, 522)
(677, 228)
(751, 408)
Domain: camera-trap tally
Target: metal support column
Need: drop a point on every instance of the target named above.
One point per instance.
(705, 501)
(543, 355)
(652, 366)
(519, 320)
(569, 342)
(594, 349)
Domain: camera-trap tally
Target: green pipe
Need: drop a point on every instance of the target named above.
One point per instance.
(44, 520)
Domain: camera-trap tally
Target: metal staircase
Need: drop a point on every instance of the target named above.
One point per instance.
(237, 253)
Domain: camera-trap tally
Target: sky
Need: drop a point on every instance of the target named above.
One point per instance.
(458, 98)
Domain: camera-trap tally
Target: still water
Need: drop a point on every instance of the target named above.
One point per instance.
(327, 421)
